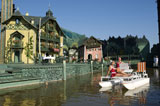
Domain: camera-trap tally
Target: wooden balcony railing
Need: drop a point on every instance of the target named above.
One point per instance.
(17, 45)
(52, 38)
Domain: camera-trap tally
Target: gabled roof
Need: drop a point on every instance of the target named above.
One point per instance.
(36, 19)
(45, 19)
(85, 42)
(18, 14)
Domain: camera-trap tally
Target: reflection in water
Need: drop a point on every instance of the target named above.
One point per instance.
(7, 101)
(28, 102)
(84, 91)
(122, 97)
(138, 92)
(105, 89)
(156, 74)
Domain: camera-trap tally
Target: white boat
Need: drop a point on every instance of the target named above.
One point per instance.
(109, 82)
(136, 81)
(117, 87)
(128, 71)
(132, 82)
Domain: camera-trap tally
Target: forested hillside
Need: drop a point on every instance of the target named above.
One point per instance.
(73, 38)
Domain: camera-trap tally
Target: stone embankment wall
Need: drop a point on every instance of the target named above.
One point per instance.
(17, 75)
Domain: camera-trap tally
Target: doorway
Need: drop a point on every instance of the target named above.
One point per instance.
(89, 57)
(17, 56)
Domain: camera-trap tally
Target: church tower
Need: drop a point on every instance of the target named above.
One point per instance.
(7, 9)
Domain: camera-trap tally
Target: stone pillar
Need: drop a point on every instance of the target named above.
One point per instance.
(64, 70)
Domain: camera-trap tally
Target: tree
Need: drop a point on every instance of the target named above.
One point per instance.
(131, 45)
(29, 49)
(8, 51)
(112, 48)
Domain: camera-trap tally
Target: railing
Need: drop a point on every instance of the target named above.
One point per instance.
(44, 36)
(17, 45)
(54, 39)
(50, 28)
(50, 38)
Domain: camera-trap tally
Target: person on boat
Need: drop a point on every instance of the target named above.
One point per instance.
(119, 62)
(113, 71)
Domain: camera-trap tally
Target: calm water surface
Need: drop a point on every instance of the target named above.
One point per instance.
(84, 91)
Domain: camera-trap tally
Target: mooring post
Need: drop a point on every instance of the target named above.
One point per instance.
(92, 67)
(64, 70)
(102, 69)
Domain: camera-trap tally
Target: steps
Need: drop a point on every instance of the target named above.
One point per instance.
(3, 67)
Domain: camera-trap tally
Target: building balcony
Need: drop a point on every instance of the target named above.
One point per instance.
(51, 49)
(54, 39)
(18, 45)
(44, 36)
(51, 38)
(50, 28)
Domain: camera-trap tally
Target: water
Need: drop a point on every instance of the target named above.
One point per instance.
(83, 91)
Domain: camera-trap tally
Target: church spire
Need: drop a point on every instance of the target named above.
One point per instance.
(49, 13)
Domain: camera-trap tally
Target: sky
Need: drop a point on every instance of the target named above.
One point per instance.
(100, 18)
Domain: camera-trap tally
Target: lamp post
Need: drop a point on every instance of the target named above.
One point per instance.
(39, 53)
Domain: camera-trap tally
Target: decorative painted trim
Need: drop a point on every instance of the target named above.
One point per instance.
(17, 27)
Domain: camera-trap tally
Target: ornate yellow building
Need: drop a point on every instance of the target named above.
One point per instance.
(28, 37)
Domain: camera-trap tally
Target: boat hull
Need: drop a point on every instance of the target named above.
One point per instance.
(109, 83)
(130, 85)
